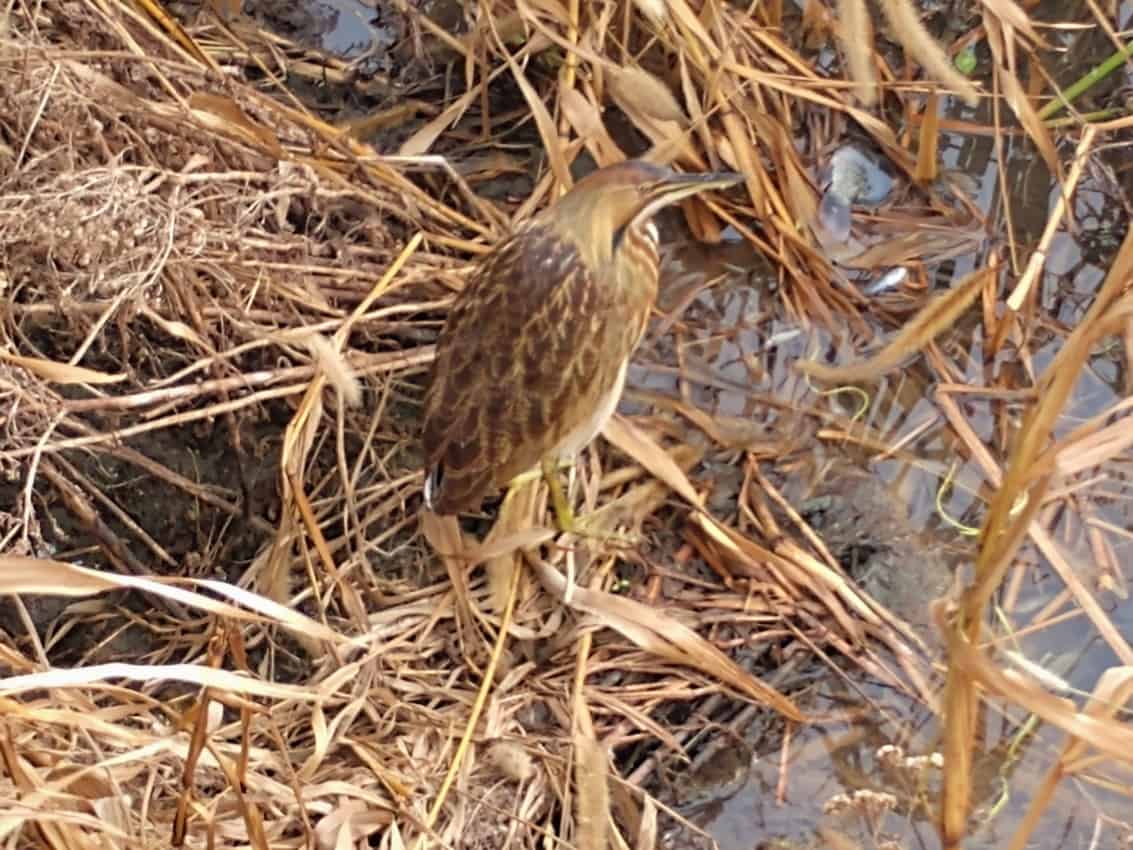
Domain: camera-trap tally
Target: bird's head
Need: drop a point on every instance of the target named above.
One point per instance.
(605, 205)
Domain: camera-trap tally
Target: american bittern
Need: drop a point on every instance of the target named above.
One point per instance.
(532, 359)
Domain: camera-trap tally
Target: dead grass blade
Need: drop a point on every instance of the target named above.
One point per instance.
(940, 313)
(193, 674)
(518, 513)
(913, 36)
(171, 26)
(20, 574)
(1025, 481)
(60, 373)
(927, 149)
(592, 801)
(857, 37)
(647, 833)
(586, 119)
(918, 241)
(1061, 209)
(474, 715)
(1012, 17)
(224, 116)
(551, 142)
(1109, 736)
(1112, 692)
(1018, 100)
(1092, 450)
(664, 637)
(443, 534)
(422, 141)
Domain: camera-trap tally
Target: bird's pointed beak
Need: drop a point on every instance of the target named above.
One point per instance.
(677, 186)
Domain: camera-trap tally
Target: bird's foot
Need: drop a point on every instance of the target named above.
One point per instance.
(582, 527)
(569, 523)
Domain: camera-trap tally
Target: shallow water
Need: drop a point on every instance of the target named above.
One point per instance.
(735, 324)
(345, 28)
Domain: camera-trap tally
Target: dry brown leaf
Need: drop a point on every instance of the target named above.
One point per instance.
(663, 636)
(587, 122)
(514, 522)
(687, 20)
(929, 137)
(1062, 212)
(670, 140)
(647, 94)
(348, 824)
(799, 193)
(1111, 693)
(194, 674)
(1033, 459)
(657, 463)
(171, 25)
(176, 329)
(376, 120)
(1104, 445)
(443, 534)
(224, 116)
(421, 141)
(691, 93)
(732, 432)
(498, 546)
(555, 11)
(934, 317)
(60, 373)
(1003, 532)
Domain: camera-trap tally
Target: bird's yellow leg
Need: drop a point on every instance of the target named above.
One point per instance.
(564, 516)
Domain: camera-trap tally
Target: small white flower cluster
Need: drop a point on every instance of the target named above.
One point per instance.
(873, 804)
(894, 757)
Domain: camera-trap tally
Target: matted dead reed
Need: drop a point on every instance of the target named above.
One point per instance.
(218, 315)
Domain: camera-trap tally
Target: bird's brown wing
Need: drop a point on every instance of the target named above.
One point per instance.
(526, 354)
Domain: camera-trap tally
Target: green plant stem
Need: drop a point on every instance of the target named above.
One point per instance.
(1086, 82)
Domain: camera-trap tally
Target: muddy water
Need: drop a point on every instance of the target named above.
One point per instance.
(868, 773)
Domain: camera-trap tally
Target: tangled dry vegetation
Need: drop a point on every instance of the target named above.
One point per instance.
(218, 316)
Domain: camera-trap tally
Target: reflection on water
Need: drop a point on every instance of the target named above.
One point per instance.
(724, 345)
(872, 780)
(344, 28)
